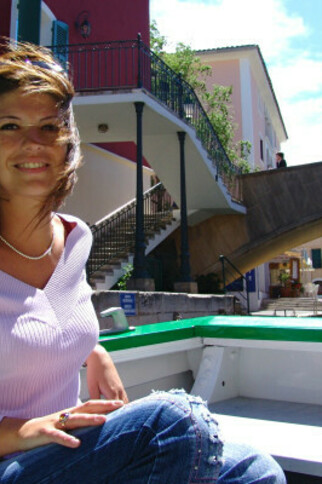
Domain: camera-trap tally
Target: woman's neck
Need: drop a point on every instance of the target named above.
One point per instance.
(20, 222)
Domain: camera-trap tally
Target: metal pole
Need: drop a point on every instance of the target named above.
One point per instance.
(247, 295)
(180, 97)
(139, 84)
(185, 256)
(139, 270)
(222, 259)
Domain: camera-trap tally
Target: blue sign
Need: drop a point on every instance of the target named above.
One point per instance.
(251, 280)
(127, 301)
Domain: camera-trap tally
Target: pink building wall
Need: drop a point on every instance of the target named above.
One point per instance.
(5, 17)
(110, 20)
(227, 73)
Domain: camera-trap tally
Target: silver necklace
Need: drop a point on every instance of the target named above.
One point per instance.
(30, 257)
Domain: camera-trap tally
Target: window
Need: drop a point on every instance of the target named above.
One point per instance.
(29, 20)
(261, 148)
(60, 41)
(316, 258)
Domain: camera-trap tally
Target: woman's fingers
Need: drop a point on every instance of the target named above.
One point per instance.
(78, 420)
(88, 414)
(97, 406)
(62, 438)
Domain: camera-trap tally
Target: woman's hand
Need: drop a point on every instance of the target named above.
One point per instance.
(17, 434)
(102, 376)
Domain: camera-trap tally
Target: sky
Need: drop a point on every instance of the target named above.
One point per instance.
(289, 35)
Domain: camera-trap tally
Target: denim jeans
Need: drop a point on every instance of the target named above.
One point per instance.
(166, 438)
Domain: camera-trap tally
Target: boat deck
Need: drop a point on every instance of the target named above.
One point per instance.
(292, 431)
(261, 375)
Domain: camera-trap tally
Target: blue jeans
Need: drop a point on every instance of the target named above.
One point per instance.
(166, 438)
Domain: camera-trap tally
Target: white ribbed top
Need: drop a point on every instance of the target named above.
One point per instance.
(47, 334)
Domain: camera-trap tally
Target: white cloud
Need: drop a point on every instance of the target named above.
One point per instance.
(227, 22)
(304, 130)
(296, 74)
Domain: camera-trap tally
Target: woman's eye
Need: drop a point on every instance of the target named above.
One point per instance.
(9, 127)
(50, 127)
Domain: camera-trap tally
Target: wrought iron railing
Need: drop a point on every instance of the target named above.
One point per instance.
(240, 282)
(180, 97)
(129, 64)
(114, 236)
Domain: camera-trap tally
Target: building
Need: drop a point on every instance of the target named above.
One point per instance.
(255, 107)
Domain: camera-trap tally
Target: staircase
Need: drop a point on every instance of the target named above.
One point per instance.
(109, 76)
(292, 306)
(114, 236)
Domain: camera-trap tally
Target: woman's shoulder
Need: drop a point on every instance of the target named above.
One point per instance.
(78, 235)
(71, 221)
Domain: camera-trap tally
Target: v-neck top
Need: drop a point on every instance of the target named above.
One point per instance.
(47, 334)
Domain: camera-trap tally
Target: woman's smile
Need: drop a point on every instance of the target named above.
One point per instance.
(32, 167)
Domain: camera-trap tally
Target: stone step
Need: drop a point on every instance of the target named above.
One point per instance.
(283, 303)
(110, 258)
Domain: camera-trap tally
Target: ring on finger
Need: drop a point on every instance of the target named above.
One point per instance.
(63, 417)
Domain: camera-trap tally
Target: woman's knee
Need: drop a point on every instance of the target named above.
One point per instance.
(188, 422)
(244, 464)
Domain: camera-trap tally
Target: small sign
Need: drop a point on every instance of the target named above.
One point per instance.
(251, 280)
(127, 302)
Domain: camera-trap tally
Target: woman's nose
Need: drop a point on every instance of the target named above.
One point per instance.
(32, 134)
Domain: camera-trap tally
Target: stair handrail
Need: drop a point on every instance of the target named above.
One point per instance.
(178, 95)
(224, 259)
(118, 227)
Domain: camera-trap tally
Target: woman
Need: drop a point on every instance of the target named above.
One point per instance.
(48, 327)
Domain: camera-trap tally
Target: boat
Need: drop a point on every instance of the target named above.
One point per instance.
(260, 375)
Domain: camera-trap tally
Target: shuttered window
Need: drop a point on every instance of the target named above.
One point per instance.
(60, 41)
(316, 258)
(29, 20)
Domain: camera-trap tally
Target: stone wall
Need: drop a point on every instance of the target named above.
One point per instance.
(157, 307)
(284, 210)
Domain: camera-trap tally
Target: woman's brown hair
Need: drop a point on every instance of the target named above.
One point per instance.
(33, 69)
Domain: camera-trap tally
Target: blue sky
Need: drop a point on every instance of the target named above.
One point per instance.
(289, 35)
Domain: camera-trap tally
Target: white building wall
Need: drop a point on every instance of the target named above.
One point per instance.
(14, 20)
(105, 182)
(46, 23)
(246, 106)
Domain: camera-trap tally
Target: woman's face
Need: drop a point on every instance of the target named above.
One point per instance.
(31, 156)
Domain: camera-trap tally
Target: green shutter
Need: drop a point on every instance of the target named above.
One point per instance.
(316, 258)
(29, 20)
(60, 41)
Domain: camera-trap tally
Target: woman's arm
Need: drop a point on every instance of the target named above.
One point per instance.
(102, 376)
(19, 434)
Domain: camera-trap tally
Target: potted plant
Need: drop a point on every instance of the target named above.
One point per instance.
(296, 288)
(286, 289)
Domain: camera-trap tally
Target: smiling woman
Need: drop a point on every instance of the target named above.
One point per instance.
(48, 326)
(39, 154)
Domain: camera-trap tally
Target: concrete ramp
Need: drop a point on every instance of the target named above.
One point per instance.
(284, 210)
